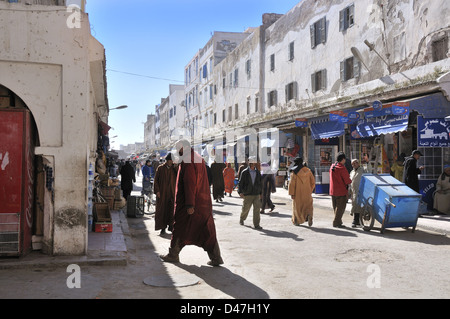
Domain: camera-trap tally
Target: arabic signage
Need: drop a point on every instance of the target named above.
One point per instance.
(301, 122)
(433, 132)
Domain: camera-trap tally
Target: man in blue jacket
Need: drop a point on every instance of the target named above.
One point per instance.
(250, 189)
(146, 177)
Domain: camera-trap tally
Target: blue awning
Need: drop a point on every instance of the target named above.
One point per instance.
(327, 129)
(431, 106)
(380, 125)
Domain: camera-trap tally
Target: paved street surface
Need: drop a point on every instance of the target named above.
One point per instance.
(279, 261)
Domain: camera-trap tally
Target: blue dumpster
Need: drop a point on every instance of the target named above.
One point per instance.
(387, 200)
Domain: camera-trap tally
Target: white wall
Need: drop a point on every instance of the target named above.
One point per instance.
(47, 64)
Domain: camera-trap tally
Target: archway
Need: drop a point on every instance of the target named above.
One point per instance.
(19, 137)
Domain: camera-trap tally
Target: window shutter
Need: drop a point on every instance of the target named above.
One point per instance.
(341, 20)
(313, 82)
(313, 35)
(295, 91)
(356, 68)
(351, 18)
(324, 79)
(323, 33)
(275, 97)
(343, 77)
(286, 92)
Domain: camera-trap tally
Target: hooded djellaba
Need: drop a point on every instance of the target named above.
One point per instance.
(301, 187)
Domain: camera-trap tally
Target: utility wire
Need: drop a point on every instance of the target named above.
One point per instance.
(144, 76)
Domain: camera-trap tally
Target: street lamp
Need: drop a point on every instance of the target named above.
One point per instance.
(119, 107)
(372, 48)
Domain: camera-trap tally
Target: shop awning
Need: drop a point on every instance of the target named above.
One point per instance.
(105, 127)
(327, 129)
(378, 126)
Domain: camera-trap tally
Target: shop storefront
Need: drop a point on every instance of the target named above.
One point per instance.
(380, 136)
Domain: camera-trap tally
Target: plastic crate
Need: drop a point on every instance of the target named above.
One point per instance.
(135, 206)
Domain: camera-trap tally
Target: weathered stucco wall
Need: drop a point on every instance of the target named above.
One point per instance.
(401, 31)
(46, 63)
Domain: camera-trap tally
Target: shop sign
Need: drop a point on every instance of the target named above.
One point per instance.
(343, 117)
(353, 116)
(377, 105)
(301, 122)
(400, 108)
(336, 115)
(433, 132)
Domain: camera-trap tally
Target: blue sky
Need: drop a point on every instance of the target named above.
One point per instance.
(156, 39)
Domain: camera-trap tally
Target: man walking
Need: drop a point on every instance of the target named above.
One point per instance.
(339, 181)
(164, 189)
(127, 178)
(411, 171)
(355, 176)
(217, 180)
(250, 189)
(193, 219)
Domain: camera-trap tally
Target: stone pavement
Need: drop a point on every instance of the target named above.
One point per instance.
(111, 248)
(432, 222)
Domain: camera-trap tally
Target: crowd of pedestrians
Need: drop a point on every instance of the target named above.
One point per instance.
(184, 204)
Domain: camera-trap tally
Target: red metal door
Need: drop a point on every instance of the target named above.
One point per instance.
(16, 181)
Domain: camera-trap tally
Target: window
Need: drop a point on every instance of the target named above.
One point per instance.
(319, 80)
(248, 69)
(236, 111)
(174, 110)
(231, 80)
(256, 104)
(318, 32)
(346, 17)
(205, 71)
(236, 78)
(230, 114)
(223, 84)
(272, 62)
(272, 98)
(215, 118)
(223, 116)
(291, 91)
(291, 51)
(248, 107)
(350, 68)
(211, 92)
(440, 49)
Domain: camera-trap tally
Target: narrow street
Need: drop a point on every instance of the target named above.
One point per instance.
(279, 261)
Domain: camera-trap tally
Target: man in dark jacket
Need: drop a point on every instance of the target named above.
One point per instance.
(128, 176)
(250, 189)
(411, 171)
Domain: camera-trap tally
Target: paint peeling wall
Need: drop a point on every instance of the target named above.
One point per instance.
(401, 31)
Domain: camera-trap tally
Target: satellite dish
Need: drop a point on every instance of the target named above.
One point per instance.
(358, 55)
